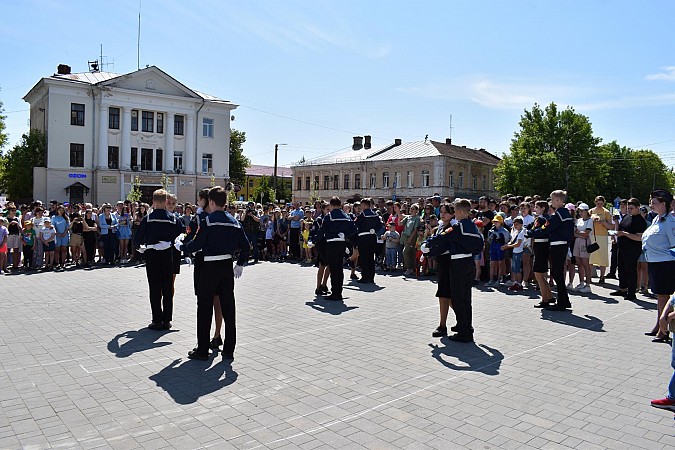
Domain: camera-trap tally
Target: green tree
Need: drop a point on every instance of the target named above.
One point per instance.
(264, 191)
(16, 166)
(238, 162)
(3, 136)
(553, 150)
(135, 193)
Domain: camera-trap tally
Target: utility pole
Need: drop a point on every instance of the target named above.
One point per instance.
(276, 151)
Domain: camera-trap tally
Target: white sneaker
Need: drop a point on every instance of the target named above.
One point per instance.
(585, 290)
(569, 287)
(579, 287)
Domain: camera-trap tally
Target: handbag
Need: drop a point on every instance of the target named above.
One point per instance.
(594, 247)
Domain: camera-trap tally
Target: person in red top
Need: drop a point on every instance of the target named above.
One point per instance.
(397, 219)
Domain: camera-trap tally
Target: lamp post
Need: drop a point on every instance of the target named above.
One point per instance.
(276, 151)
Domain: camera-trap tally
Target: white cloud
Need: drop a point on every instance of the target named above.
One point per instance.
(667, 75)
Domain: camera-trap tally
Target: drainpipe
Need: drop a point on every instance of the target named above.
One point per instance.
(197, 139)
(94, 190)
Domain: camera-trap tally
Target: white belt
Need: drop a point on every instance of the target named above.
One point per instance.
(154, 246)
(558, 243)
(217, 257)
(461, 255)
(541, 240)
(366, 233)
(335, 240)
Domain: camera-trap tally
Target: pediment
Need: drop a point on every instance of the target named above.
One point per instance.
(151, 80)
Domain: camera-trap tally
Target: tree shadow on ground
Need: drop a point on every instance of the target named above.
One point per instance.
(187, 382)
(474, 358)
(139, 340)
(329, 306)
(586, 322)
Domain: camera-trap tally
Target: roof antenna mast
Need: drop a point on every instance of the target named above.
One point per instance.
(450, 128)
(138, 49)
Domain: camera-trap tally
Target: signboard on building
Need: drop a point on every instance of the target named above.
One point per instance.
(109, 179)
(186, 182)
(77, 175)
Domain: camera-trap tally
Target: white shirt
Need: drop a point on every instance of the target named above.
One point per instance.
(518, 236)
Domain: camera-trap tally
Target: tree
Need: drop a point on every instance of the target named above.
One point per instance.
(264, 189)
(238, 162)
(16, 166)
(3, 136)
(553, 150)
(135, 193)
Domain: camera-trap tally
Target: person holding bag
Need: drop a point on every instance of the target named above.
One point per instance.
(629, 242)
(583, 230)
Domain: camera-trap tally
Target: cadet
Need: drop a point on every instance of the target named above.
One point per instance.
(369, 225)
(153, 238)
(219, 237)
(336, 228)
(559, 231)
(462, 241)
(323, 273)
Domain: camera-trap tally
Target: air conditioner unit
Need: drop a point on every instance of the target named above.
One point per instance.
(135, 168)
(179, 171)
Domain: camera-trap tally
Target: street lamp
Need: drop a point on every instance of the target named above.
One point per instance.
(276, 150)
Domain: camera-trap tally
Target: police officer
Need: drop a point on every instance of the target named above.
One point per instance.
(153, 238)
(219, 237)
(369, 225)
(336, 228)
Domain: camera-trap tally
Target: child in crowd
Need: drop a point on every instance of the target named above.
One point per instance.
(306, 250)
(48, 239)
(391, 238)
(516, 247)
(28, 242)
(420, 264)
(4, 233)
(497, 237)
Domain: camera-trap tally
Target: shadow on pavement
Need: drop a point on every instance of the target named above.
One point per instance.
(649, 306)
(365, 287)
(187, 382)
(474, 358)
(139, 340)
(329, 306)
(568, 318)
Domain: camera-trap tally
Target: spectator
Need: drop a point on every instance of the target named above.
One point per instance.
(602, 220)
(629, 243)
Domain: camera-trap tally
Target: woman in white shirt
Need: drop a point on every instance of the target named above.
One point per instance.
(528, 220)
(583, 232)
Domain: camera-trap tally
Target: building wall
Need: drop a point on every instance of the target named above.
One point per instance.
(252, 182)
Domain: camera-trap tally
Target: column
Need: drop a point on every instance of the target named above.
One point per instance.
(469, 176)
(189, 160)
(168, 145)
(103, 137)
(126, 139)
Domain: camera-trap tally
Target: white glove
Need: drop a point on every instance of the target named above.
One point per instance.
(238, 270)
(188, 260)
(142, 249)
(372, 231)
(310, 244)
(341, 235)
(346, 251)
(178, 242)
(200, 210)
(163, 245)
(424, 248)
(454, 222)
(422, 258)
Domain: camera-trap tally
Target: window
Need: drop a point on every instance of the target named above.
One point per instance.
(345, 184)
(474, 182)
(146, 159)
(357, 181)
(178, 125)
(113, 157)
(385, 180)
(460, 181)
(77, 114)
(159, 160)
(207, 127)
(307, 181)
(451, 179)
(76, 155)
(299, 184)
(134, 120)
(316, 183)
(207, 163)
(160, 123)
(397, 180)
(373, 181)
(484, 182)
(134, 157)
(425, 178)
(114, 118)
(250, 183)
(178, 160)
(410, 178)
(336, 181)
(147, 121)
(326, 182)
(289, 185)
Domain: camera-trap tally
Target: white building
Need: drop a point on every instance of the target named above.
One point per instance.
(104, 130)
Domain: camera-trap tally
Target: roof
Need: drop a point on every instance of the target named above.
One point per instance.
(406, 150)
(268, 171)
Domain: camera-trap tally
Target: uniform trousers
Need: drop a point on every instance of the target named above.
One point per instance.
(558, 254)
(294, 243)
(628, 259)
(216, 278)
(335, 254)
(159, 270)
(462, 273)
(367, 248)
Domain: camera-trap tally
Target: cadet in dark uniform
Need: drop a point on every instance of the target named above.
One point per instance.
(154, 237)
(540, 249)
(324, 272)
(369, 225)
(559, 231)
(219, 236)
(336, 228)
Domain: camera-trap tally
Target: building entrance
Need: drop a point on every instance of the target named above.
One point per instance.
(146, 193)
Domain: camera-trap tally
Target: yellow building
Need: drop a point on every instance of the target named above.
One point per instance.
(254, 174)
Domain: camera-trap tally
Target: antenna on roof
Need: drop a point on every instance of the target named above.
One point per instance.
(450, 127)
(138, 50)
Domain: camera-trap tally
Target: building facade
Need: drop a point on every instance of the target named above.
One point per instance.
(255, 173)
(107, 132)
(398, 170)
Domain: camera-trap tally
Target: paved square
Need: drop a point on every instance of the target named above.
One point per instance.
(79, 370)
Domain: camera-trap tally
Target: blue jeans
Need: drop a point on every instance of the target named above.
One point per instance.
(253, 239)
(391, 257)
(671, 386)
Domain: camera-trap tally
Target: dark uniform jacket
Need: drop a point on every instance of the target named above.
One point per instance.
(366, 221)
(220, 234)
(336, 226)
(460, 240)
(158, 226)
(559, 228)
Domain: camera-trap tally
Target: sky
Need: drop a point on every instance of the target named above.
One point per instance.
(312, 74)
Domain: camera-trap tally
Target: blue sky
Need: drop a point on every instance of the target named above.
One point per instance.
(313, 74)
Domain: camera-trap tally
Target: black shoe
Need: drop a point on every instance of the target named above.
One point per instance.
(476, 282)
(630, 297)
(619, 293)
(157, 326)
(334, 297)
(611, 276)
(558, 307)
(318, 292)
(228, 356)
(194, 354)
(460, 338)
(363, 281)
(215, 343)
(323, 289)
(353, 277)
(543, 305)
(166, 326)
(440, 332)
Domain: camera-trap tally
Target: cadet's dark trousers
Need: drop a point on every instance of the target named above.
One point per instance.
(198, 262)
(628, 259)
(159, 269)
(335, 254)
(614, 259)
(215, 278)
(294, 243)
(367, 248)
(462, 274)
(558, 254)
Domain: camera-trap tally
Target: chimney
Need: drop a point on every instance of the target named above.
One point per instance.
(358, 143)
(397, 142)
(367, 144)
(63, 69)
(463, 146)
(448, 141)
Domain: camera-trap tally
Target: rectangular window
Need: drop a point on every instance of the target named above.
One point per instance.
(207, 127)
(146, 159)
(484, 182)
(207, 163)
(250, 183)
(178, 125)
(425, 178)
(357, 181)
(410, 178)
(460, 181)
(451, 179)
(77, 114)
(326, 182)
(345, 184)
(178, 160)
(113, 157)
(299, 184)
(160, 123)
(385, 180)
(373, 181)
(474, 182)
(336, 181)
(147, 121)
(134, 120)
(159, 159)
(134, 157)
(76, 155)
(397, 180)
(316, 183)
(114, 118)
(307, 181)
